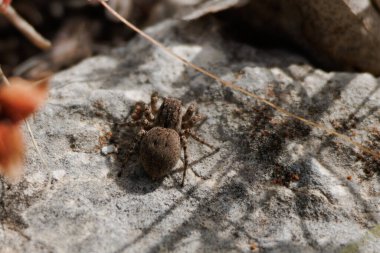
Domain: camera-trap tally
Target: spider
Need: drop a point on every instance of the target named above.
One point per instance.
(163, 132)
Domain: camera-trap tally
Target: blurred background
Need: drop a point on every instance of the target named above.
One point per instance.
(76, 28)
(334, 35)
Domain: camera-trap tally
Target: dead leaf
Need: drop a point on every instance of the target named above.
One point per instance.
(21, 99)
(11, 151)
(17, 102)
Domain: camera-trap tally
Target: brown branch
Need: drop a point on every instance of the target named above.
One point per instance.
(26, 28)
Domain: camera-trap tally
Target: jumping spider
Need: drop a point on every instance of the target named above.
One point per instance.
(163, 132)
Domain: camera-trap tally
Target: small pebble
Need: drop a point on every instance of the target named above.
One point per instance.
(108, 150)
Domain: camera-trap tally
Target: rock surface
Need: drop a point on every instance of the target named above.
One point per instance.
(276, 185)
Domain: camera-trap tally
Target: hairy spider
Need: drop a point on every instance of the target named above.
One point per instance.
(162, 134)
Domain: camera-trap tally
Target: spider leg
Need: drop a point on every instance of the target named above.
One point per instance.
(194, 120)
(136, 115)
(199, 120)
(146, 124)
(138, 111)
(125, 156)
(137, 120)
(153, 102)
(141, 116)
(184, 146)
(192, 134)
(151, 111)
(143, 123)
(189, 112)
(135, 144)
(148, 114)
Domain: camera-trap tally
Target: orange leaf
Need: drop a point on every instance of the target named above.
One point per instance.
(11, 151)
(21, 99)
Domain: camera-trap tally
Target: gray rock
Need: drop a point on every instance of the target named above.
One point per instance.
(229, 200)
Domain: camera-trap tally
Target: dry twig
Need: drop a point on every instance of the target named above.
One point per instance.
(28, 30)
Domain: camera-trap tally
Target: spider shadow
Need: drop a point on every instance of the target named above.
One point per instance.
(126, 169)
(198, 161)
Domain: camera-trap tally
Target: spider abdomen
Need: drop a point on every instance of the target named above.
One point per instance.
(160, 150)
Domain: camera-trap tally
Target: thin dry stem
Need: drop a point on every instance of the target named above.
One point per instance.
(235, 87)
(27, 29)
(6, 81)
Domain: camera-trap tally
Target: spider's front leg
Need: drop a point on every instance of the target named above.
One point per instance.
(153, 102)
(136, 116)
(189, 120)
(140, 117)
(189, 112)
(150, 111)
